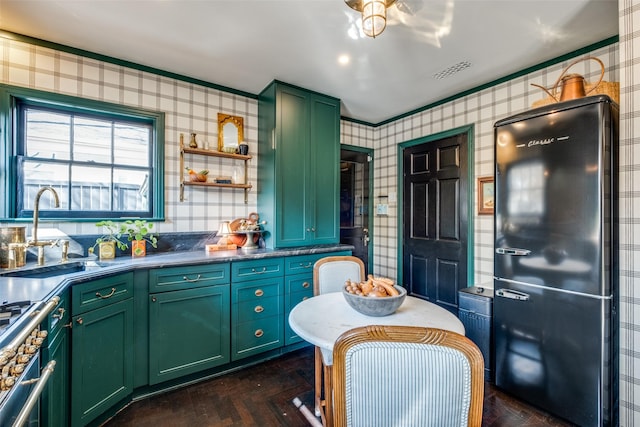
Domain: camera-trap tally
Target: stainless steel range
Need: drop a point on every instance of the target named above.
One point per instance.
(21, 381)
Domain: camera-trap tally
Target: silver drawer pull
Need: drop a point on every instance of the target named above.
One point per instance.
(264, 270)
(307, 265)
(258, 309)
(511, 294)
(513, 251)
(60, 313)
(186, 279)
(258, 333)
(259, 292)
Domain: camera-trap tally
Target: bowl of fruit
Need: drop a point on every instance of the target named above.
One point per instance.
(377, 296)
(195, 176)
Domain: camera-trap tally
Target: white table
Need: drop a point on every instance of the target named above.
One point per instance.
(322, 319)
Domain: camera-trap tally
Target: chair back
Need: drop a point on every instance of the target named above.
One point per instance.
(406, 376)
(330, 273)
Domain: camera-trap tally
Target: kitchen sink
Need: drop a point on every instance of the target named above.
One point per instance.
(41, 272)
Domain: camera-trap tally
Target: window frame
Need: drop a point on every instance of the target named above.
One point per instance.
(10, 99)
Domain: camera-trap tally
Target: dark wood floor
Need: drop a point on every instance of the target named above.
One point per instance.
(262, 396)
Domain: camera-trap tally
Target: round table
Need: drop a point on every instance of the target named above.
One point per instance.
(322, 319)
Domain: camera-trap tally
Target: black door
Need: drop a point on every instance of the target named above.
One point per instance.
(435, 220)
(354, 202)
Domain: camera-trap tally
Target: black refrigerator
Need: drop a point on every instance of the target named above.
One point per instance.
(555, 303)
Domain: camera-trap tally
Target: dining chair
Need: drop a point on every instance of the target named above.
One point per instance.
(329, 275)
(406, 376)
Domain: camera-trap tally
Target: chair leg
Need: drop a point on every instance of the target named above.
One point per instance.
(328, 396)
(318, 382)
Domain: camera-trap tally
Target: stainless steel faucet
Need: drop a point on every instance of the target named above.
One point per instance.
(34, 232)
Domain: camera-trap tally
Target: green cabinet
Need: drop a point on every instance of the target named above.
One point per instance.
(257, 306)
(55, 396)
(298, 172)
(101, 346)
(189, 324)
(298, 282)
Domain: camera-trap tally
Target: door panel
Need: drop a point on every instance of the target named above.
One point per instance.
(435, 219)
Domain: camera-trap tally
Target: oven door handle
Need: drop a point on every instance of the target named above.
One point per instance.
(41, 382)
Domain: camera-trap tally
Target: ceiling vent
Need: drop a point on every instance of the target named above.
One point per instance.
(447, 72)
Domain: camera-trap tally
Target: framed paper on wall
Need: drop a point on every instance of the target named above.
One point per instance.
(486, 195)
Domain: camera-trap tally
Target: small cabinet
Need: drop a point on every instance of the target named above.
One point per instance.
(211, 153)
(257, 306)
(55, 397)
(299, 286)
(298, 169)
(101, 343)
(189, 320)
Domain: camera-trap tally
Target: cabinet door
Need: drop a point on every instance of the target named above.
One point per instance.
(102, 374)
(292, 164)
(324, 157)
(55, 397)
(188, 331)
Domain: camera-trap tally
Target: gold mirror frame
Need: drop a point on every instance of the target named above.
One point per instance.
(230, 124)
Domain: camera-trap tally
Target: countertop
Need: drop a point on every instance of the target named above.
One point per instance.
(41, 289)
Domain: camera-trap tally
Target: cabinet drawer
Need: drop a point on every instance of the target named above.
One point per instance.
(256, 291)
(304, 263)
(100, 293)
(256, 269)
(176, 278)
(297, 297)
(255, 310)
(257, 336)
(299, 283)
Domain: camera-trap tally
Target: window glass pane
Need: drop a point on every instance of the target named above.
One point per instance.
(131, 144)
(91, 188)
(92, 140)
(47, 134)
(42, 174)
(130, 190)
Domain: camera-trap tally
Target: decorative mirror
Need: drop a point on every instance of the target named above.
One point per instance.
(230, 132)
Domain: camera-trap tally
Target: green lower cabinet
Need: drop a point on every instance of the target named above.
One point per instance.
(188, 331)
(101, 354)
(54, 402)
(257, 312)
(298, 288)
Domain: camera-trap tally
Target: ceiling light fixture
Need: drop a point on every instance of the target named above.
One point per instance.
(374, 14)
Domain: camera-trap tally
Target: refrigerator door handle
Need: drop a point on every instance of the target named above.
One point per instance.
(511, 294)
(513, 251)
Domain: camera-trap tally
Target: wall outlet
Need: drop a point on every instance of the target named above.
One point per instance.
(382, 209)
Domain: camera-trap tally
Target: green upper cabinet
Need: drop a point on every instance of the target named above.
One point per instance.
(299, 152)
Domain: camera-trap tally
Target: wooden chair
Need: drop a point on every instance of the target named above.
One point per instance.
(329, 275)
(406, 376)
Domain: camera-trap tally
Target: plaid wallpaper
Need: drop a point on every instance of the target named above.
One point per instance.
(188, 108)
(193, 108)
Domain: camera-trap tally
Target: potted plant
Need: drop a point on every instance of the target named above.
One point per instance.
(109, 240)
(139, 233)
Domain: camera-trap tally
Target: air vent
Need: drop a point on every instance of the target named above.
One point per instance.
(447, 72)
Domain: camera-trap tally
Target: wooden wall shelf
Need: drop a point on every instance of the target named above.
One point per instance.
(211, 153)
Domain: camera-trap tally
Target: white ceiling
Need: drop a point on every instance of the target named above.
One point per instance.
(244, 45)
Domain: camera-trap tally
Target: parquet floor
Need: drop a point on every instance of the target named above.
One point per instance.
(262, 396)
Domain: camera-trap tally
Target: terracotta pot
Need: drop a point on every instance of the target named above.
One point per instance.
(138, 248)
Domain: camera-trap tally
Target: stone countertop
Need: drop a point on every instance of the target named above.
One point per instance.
(41, 289)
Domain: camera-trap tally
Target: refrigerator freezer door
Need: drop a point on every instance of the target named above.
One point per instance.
(551, 349)
(550, 199)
